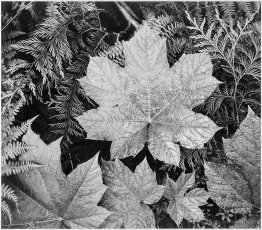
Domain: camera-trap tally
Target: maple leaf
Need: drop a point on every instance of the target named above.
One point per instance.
(227, 187)
(129, 194)
(147, 101)
(182, 204)
(236, 186)
(49, 199)
(244, 151)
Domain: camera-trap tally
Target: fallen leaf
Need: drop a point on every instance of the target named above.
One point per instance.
(129, 194)
(236, 186)
(227, 187)
(185, 205)
(49, 199)
(244, 151)
(147, 101)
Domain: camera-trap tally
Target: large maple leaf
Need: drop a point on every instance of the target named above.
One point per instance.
(49, 199)
(147, 101)
(129, 194)
(236, 186)
(182, 204)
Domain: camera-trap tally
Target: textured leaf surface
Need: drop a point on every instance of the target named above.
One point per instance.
(227, 188)
(182, 204)
(147, 101)
(244, 150)
(129, 194)
(49, 199)
(236, 186)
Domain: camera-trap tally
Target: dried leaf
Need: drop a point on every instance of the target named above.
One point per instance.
(129, 194)
(236, 186)
(49, 199)
(147, 101)
(182, 204)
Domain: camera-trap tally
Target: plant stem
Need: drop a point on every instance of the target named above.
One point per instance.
(16, 15)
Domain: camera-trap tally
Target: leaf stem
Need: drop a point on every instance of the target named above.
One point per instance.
(16, 15)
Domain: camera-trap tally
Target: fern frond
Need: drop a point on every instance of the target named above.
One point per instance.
(249, 7)
(11, 168)
(248, 55)
(8, 193)
(12, 150)
(191, 157)
(12, 92)
(224, 43)
(229, 10)
(214, 101)
(9, 39)
(68, 106)
(224, 117)
(18, 131)
(35, 11)
(52, 45)
(114, 53)
(10, 110)
(18, 64)
(165, 26)
(87, 39)
(6, 209)
(49, 47)
(14, 34)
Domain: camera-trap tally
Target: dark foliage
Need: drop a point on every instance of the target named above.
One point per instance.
(46, 47)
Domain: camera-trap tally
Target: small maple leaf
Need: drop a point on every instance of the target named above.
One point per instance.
(182, 204)
(49, 199)
(129, 194)
(236, 186)
(147, 101)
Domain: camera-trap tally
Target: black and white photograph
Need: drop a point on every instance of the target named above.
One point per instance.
(130, 114)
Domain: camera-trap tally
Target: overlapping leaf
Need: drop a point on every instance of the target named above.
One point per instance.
(244, 151)
(182, 204)
(227, 187)
(49, 199)
(237, 185)
(147, 101)
(129, 194)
